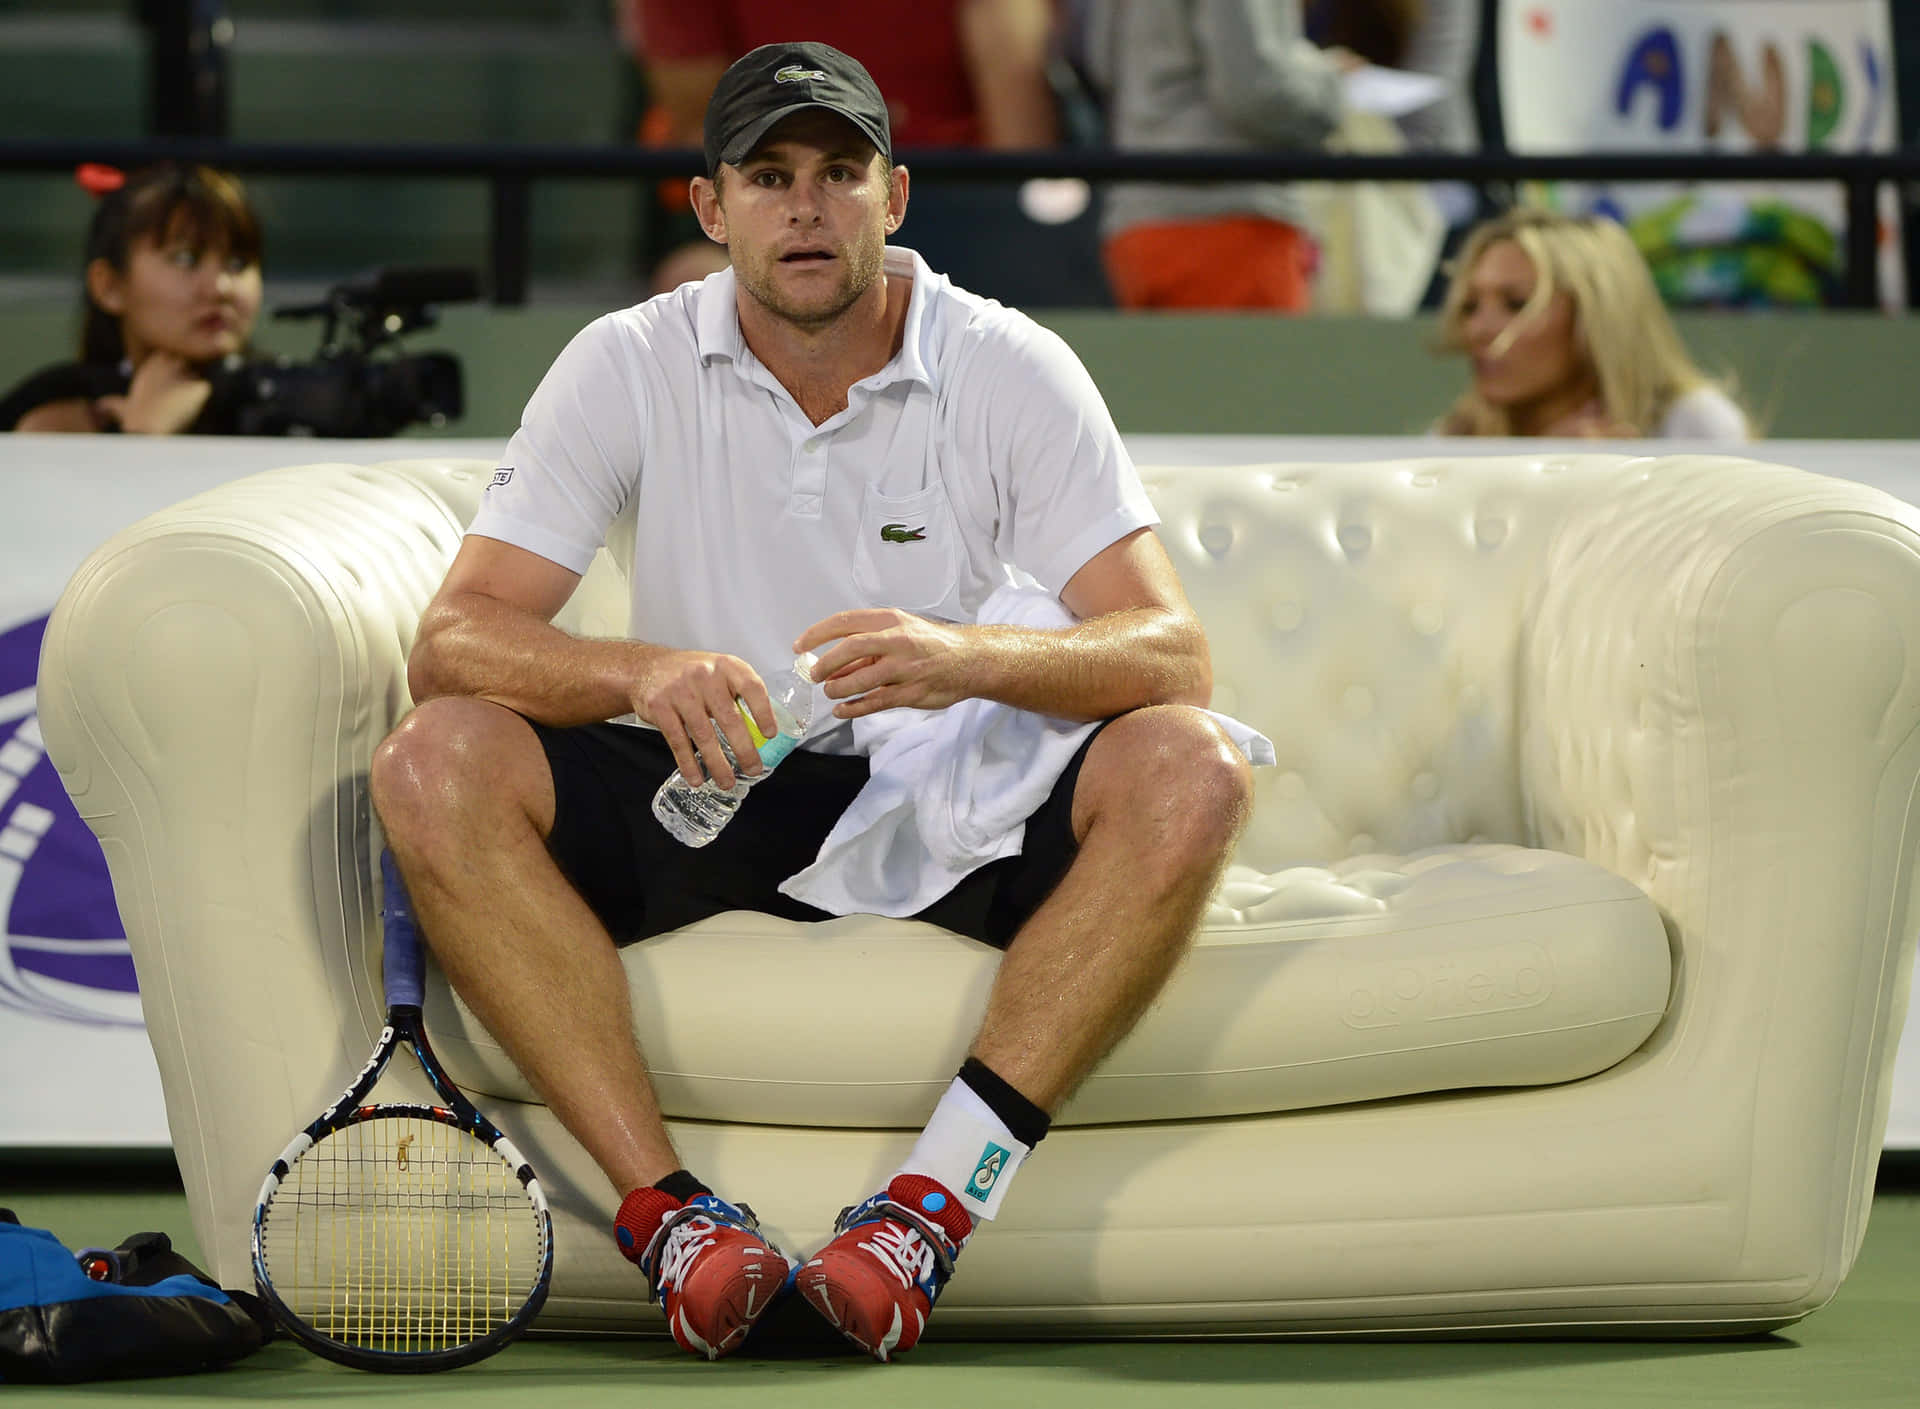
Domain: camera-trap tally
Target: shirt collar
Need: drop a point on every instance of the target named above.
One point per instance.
(909, 364)
(717, 321)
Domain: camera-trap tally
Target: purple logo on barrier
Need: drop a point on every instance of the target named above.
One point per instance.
(63, 953)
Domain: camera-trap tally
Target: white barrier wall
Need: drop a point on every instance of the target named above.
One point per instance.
(75, 1069)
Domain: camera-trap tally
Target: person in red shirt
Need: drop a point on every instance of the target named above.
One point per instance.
(957, 73)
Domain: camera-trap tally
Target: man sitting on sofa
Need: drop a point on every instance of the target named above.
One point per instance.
(760, 432)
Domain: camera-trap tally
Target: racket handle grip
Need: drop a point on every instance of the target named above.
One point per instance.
(401, 963)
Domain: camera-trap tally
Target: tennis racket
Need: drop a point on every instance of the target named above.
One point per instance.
(402, 1237)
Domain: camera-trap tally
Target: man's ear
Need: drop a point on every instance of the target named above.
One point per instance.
(897, 200)
(106, 287)
(705, 196)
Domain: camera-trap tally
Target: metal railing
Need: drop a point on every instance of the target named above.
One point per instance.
(511, 172)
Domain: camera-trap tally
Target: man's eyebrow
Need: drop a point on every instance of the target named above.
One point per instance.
(779, 155)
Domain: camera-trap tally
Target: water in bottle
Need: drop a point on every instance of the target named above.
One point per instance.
(695, 815)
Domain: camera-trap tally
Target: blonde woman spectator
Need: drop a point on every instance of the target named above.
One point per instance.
(1567, 337)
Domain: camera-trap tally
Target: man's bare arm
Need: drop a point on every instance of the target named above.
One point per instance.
(1137, 643)
(1004, 43)
(489, 633)
(681, 87)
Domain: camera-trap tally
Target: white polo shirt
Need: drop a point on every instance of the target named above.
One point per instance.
(982, 451)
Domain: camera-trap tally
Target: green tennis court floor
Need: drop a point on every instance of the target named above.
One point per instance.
(1863, 1349)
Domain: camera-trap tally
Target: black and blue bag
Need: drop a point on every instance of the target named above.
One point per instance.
(141, 1309)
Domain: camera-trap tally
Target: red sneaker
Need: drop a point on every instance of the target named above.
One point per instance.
(707, 1264)
(876, 1282)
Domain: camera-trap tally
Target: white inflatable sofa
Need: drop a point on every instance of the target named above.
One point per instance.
(1555, 988)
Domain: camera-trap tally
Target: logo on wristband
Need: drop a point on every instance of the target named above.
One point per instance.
(987, 1172)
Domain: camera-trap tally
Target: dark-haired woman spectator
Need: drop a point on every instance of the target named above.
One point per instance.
(170, 289)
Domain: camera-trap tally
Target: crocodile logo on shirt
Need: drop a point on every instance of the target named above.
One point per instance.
(900, 533)
(793, 73)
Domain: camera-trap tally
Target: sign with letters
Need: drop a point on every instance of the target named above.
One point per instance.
(1734, 76)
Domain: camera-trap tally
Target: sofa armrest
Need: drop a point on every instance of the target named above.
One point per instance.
(213, 683)
(1720, 700)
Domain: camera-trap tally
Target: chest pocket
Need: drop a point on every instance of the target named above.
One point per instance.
(908, 555)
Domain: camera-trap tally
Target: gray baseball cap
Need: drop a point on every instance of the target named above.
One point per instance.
(777, 80)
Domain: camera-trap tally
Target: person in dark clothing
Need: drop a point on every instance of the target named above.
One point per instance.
(170, 288)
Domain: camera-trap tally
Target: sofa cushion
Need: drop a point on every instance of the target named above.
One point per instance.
(1379, 976)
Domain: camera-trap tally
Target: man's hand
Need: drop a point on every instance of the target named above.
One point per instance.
(689, 697)
(164, 397)
(884, 658)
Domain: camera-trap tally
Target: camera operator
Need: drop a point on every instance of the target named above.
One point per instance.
(171, 288)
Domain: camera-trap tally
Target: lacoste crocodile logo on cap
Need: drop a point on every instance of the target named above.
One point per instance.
(793, 73)
(900, 533)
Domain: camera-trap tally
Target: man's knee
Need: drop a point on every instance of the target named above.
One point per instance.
(458, 757)
(1171, 772)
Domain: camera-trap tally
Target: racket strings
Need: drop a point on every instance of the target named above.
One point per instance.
(402, 1234)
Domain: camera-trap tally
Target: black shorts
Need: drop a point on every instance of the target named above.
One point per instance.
(641, 882)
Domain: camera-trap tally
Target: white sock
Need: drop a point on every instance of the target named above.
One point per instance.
(969, 1149)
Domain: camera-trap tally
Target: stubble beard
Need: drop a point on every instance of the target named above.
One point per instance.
(863, 262)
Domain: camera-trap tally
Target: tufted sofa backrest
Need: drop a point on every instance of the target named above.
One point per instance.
(1369, 618)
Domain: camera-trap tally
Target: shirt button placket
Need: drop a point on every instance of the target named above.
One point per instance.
(809, 477)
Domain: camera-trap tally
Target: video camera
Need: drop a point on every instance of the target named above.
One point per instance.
(345, 390)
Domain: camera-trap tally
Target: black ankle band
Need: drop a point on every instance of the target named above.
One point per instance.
(1027, 1121)
(683, 1186)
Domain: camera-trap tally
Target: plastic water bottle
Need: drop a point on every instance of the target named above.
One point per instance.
(696, 815)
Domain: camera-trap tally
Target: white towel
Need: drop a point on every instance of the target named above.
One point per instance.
(951, 789)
